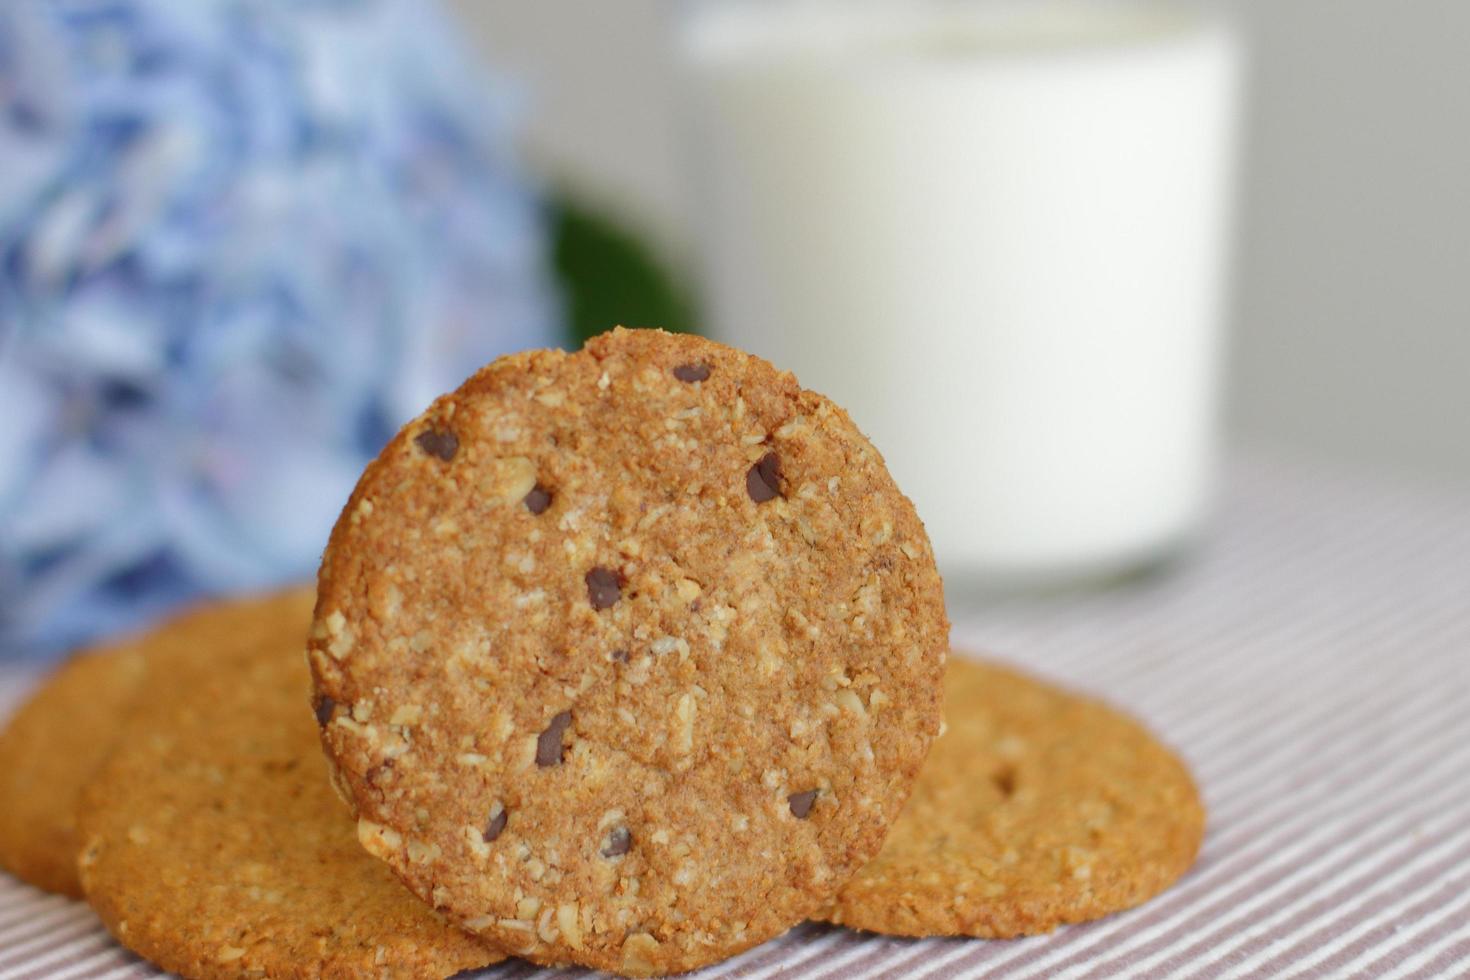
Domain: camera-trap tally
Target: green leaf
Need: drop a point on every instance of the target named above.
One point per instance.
(609, 276)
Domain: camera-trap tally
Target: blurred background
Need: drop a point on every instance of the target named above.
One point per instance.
(241, 242)
(1350, 311)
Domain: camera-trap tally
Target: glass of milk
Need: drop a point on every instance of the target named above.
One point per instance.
(997, 233)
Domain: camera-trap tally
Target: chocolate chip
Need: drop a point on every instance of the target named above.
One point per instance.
(690, 373)
(621, 656)
(801, 803)
(324, 709)
(763, 479)
(1005, 780)
(538, 499)
(548, 743)
(604, 587)
(617, 843)
(436, 443)
(496, 825)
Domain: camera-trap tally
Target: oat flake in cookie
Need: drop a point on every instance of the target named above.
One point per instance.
(628, 657)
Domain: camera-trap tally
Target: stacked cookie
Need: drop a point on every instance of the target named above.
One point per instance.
(628, 658)
(195, 814)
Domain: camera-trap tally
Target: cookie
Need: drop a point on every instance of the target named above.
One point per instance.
(57, 739)
(629, 656)
(1036, 808)
(47, 751)
(214, 845)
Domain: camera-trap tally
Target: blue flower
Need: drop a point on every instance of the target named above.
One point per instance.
(241, 241)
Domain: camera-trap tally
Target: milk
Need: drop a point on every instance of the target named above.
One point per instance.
(997, 236)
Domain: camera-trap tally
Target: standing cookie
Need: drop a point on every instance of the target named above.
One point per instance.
(214, 846)
(56, 740)
(629, 656)
(1037, 808)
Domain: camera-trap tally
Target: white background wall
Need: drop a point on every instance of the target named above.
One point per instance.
(1352, 300)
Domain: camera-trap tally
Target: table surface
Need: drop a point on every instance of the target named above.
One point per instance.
(1311, 660)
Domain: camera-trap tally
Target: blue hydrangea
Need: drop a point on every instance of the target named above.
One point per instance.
(241, 241)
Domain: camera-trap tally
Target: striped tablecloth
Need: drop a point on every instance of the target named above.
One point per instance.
(1311, 660)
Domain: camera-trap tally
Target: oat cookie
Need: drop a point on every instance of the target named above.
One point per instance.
(214, 845)
(49, 747)
(630, 656)
(60, 735)
(1036, 808)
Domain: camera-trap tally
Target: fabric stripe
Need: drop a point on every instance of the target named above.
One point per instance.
(1341, 955)
(831, 946)
(753, 961)
(1178, 957)
(1459, 953)
(44, 941)
(1416, 946)
(19, 936)
(1282, 868)
(65, 960)
(87, 961)
(18, 901)
(1389, 919)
